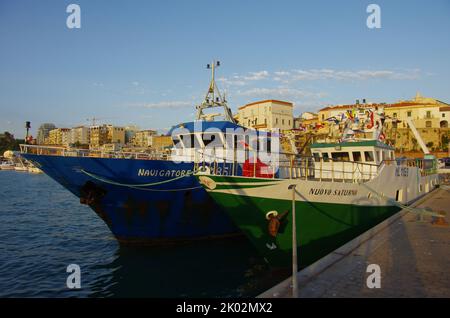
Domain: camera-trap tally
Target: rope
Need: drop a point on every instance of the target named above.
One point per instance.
(398, 204)
(168, 190)
(134, 185)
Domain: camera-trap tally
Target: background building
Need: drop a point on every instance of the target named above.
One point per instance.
(424, 112)
(80, 135)
(98, 135)
(130, 131)
(361, 108)
(59, 136)
(116, 134)
(143, 138)
(43, 132)
(161, 142)
(429, 115)
(267, 115)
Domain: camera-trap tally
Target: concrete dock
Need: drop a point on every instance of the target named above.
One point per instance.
(412, 253)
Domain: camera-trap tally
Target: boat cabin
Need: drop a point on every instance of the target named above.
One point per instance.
(350, 160)
(219, 141)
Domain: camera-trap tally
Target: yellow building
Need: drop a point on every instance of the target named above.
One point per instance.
(143, 138)
(338, 110)
(429, 115)
(59, 136)
(106, 134)
(267, 115)
(80, 135)
(98, 135)
(423, 111)
(116, 134)
(161, 142)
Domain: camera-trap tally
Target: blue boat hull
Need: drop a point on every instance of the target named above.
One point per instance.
(141, 201)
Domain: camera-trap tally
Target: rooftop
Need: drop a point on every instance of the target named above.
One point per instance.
(275, 101)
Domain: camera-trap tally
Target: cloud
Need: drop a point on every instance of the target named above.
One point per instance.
(345, 75)
(163, 104)
(280, 92)
(242, 80)
(256, 76)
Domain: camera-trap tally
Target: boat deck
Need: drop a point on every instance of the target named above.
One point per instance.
(411, 251)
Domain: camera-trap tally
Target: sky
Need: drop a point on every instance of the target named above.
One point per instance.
(144, 62)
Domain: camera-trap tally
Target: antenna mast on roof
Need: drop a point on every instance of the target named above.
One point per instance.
(214, 99)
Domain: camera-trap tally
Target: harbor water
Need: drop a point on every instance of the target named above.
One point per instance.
(44, 228)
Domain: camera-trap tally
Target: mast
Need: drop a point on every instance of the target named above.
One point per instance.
(214, 99)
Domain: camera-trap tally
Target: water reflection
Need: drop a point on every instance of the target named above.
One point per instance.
(225, 268)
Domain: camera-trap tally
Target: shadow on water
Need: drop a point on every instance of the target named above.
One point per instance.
(224, 268)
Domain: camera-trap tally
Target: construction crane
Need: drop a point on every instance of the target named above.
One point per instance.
(418, 137)
(430, 161)
(94, 119)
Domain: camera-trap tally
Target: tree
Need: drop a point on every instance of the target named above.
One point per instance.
(414, 143)
(444, 142)
(8, 142)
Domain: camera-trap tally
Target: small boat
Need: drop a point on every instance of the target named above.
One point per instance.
(21, 168)
(35, 170)
(7, 165)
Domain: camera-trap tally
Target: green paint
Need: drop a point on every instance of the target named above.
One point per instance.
(321, 227)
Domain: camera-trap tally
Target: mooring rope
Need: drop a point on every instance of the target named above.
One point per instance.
(400, 205)
(137, 186)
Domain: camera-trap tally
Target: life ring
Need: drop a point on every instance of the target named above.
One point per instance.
(270, 213)
(204, 170)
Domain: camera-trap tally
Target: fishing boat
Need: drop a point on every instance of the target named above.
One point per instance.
(343, 189)
(150, 198)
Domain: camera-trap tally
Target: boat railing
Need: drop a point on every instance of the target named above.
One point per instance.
(289, 166)
(304, 167)
(93, 153)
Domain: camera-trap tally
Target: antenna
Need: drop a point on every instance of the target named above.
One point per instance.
(213, 98)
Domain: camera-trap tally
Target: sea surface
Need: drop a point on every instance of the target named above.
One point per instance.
(44, 228)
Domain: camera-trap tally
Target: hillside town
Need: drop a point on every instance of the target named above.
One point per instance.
(430, 116)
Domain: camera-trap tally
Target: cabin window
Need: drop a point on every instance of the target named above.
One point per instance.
(341, 156)
(176, 141)
(356, 156)
(368, 156)
(325, 157)
(377, 155)
(399, 195)
(189, 141)
(316, 156)
(208, 138)
(408, 114)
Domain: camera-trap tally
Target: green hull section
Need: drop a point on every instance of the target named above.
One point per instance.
(321, 227)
